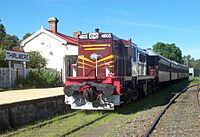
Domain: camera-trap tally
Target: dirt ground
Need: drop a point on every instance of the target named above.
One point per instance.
(12, 96)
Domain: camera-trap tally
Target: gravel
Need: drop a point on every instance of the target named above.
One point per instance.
(181, 119)
(138, 126)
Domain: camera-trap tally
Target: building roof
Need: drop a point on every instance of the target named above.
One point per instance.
(69, 39)
(63, 38)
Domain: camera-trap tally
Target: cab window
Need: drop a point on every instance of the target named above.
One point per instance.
(134, 53)
(142, 58)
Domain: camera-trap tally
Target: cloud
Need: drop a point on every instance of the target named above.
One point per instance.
(158, 26)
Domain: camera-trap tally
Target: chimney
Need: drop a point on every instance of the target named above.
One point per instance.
(77, 33)
(53, 24)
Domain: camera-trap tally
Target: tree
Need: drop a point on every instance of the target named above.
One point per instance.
(26, 35)
(3, 62)
(7, 41)
(2, 33)
(10, 42)
(170, 51)
(36, 60)
(191, 62)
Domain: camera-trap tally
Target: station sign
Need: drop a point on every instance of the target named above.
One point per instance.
(95, 36)
(17, 56)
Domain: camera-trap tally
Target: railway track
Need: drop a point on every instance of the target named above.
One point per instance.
(84, 125)
(194, 92)
(69, 131)
(39, 125)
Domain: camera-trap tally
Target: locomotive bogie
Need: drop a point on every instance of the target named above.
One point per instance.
(104, 104)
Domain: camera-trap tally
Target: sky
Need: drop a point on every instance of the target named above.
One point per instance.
(146, 22)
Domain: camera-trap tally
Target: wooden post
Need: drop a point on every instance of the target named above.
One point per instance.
(10, 75)
(24, 69)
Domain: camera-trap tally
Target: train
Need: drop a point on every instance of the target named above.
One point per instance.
(109, 71)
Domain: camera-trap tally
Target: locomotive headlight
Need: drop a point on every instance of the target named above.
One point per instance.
(94, 56)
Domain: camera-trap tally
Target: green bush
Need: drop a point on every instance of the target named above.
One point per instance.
(39, 79)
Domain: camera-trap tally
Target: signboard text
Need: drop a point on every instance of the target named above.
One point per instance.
(17, 56)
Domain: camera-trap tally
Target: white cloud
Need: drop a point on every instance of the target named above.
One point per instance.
(150, 25)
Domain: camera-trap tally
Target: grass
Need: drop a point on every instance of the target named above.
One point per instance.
(194, 80)
(60, 127)
(95, 125)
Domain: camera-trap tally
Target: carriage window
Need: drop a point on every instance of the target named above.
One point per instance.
(142, 58)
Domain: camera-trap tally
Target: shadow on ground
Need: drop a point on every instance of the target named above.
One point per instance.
(158, 98)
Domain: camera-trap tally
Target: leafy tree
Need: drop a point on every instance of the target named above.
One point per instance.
(170, 51)
(2, 31)
(26, 35)
(36, 60)
(10, 42)
(3, 62)
(191, 62)
(7, 41)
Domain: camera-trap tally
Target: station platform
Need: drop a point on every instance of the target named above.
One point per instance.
(21, 107)
(13, 96)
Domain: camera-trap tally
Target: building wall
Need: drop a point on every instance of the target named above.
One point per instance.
(52, 49)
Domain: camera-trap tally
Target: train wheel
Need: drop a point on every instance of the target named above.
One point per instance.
(150, 88)
(135, 94)
(141, 91)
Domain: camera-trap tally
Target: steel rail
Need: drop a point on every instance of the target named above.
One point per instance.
(84, 125)
(197, 100)
(151, 128)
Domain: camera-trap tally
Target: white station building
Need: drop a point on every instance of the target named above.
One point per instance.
(52, 45)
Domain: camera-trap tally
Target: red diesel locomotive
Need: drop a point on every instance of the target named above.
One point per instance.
(109, 71)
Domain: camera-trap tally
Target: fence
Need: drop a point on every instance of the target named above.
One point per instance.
(20, 73)
(15, 74)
